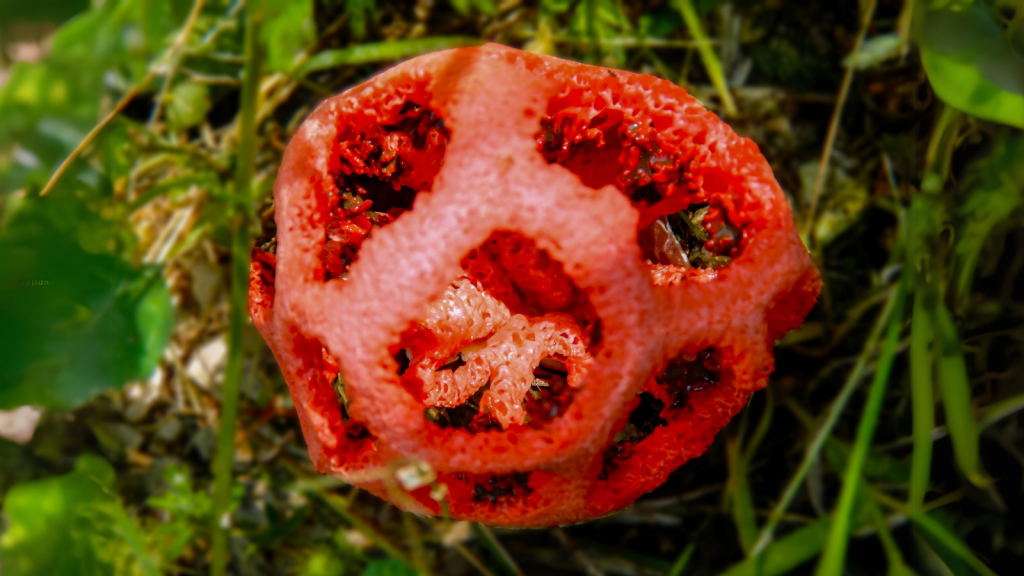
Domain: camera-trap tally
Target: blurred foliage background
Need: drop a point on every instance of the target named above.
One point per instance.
(890, 439)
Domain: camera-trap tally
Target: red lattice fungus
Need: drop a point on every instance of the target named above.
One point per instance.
(522, 286)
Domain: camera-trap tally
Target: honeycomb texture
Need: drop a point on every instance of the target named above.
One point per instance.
(459, 281)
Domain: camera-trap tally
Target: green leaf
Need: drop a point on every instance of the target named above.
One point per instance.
(384, 52)
(78, 319)
(991, 199)
(188, 105)
(972, 65)
(956, 397)
(486, 7)
(323, 562)
(357, 12)
(660, 22)
(55, 11)
(875, 51)
(388, 567)
(287, 32)
(555, 7)
(44, 517)
(847, 199)
(1015, 31)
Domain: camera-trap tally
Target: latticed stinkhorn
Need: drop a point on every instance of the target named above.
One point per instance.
(525, 288)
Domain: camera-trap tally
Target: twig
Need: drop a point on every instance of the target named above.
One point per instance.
(175, 61)
(183, 35)
(491, 542)
(465, 553)
(833, 127)
(588, 566)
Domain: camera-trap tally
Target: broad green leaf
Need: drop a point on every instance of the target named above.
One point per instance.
(78, 319)
(287, 32)
(44, 517)
(188, 105)
(55, 11)
(46, 107)
(971, 64)
(384, 52)
(1015, 31)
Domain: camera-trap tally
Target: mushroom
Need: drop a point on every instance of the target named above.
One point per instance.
(542, 285)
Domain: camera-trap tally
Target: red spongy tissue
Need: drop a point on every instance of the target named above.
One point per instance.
(522, 289)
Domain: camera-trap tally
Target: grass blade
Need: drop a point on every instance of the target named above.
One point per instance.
(707, 54)
(897, 567)
(996, 411)
(684, 560)
(825, 430)
(493, 545)
(225, 455)
(786, 553)
(922, 399)
(950, 541)
(384, 52)
(839, 532)
(737, 490)
(956, 397)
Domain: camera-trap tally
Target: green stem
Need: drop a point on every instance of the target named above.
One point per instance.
(825, 430)
(246, 159)
(839, 531)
